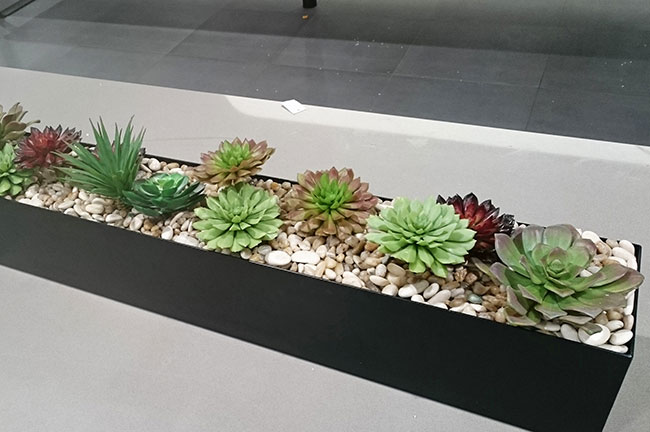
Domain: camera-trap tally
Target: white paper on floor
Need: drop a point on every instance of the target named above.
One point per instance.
(293, 106)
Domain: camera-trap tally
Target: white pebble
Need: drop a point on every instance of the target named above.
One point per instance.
(154, 164)
(614, 325)
(440, 297)
(95, 208)
(310, 269)
(421, 286)
(381, 270)
(264, 249)
(595, 339)
(616, 348)
(631, 263)
(305, 257)
(167, 233)
(477, 307)
(395, 269)
(245, 253)
(628, 322)
(70, 212)
(585, 273)
(621, 337)
(628, 246)
(186, 240)
(615, 259)
(353, 281)
(431, 290)
(439, 305)
(458, 291)
(278, 258)
(330, 274)
(630, 304)
(378, 280)
(568, 332)
(459, 308)
(407, 291)
(83, 195)
(417, 298)
(591, 236)
(622, 253)
(113, 218)
(136, 223)
(468, 310)
(390, 290)
(65, 205)
(321, 251)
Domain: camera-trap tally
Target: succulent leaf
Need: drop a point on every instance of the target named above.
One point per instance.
(482, 218)
(234, 162)
(111, 169)
(239, 217)
(13, 179)
(163, 194)
(541, 271)
(12, 128)
(426, 235)
(41, 149)
(331, 202)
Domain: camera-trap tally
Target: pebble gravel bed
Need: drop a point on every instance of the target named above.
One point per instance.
(350, 260)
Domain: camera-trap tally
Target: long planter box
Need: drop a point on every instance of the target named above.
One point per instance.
(521, 377)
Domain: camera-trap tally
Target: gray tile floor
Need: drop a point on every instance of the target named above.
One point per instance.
(570, 67)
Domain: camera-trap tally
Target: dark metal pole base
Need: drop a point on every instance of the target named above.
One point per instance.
(308, 4)
(19, 5)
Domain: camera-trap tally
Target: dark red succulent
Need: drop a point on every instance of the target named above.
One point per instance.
(483, 218)
(40, 149)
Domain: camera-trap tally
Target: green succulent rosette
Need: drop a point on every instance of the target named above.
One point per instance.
(239, 217)
(426, 235)
(163, 194)
(331, 202)
(12, 126)
(12, 179)
(541, 271)
(234, 162)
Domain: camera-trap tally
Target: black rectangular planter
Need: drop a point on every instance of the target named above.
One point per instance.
(528, 379)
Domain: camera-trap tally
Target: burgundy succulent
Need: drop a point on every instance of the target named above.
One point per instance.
(40, 149)
(483, 218)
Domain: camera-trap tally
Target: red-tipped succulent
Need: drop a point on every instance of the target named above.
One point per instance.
(40, 149)
(331, 202)
(483, 218)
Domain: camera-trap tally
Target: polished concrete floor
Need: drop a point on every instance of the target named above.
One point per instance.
(569, 67)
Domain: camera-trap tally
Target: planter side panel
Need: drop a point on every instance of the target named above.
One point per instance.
(544, 384)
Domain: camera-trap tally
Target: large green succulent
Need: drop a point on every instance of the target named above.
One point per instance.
(541, 271)
(164, 193)
(109, 170)
(423, 234)
(12, 179)
(12, 127)
(239, 217)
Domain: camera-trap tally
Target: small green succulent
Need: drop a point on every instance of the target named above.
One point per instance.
(164, 193)
(12, 127)
(423, 234)
(541, 271)
(331, 202)
(109, 170)
(239, 217)
(234, 162)
(12, 179)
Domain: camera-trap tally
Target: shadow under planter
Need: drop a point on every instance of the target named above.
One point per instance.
(545, 383)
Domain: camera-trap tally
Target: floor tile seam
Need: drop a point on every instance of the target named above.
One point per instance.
(359, 73)
(539, 85)
(463, 81)
(645, 97)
